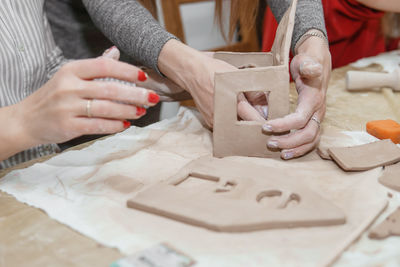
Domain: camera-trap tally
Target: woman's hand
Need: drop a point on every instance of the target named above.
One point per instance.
(72, 103)
(310, 69)
(194, 71)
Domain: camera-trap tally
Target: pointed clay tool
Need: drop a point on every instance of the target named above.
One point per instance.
(391, 177)
(365, 157)
(389, 227)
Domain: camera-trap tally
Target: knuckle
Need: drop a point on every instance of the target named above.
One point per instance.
(302, 119)
(103, 64)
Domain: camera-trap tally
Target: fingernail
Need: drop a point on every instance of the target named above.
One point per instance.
(140, 111)
(267, 128)
(288, 155)
(108, 50)
(126, 124)
(153, 98)
(142, 76)
(272, 144)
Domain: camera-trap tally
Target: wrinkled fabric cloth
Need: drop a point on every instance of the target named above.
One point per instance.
(88, 189)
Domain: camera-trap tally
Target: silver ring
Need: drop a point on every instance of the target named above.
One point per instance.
(88, 107)
(314, 118)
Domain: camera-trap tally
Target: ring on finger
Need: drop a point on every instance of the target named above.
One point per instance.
(314, 118)
(88, 107)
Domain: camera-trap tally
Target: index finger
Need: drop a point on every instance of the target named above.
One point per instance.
(102, 67)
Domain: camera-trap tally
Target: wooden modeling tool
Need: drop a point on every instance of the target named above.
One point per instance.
(269, 74)
(385, 129)
(357, 81)
(363, 80)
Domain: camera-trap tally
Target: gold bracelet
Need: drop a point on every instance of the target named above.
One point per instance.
(310, 33)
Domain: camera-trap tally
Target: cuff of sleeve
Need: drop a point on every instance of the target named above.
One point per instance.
(157, 50)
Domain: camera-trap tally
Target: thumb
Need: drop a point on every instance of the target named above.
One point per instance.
(112, 53)
(306, 67)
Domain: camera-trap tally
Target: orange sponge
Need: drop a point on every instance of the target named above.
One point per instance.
(385, 129)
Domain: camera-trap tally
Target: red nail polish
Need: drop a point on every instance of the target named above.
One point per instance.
(142, 76)
(126, 124)
(153, 98)
(140, 111)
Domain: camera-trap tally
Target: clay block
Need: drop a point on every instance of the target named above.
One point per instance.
(389, 227)
(269, 73)
(391, 177)
(365, 157)
(229, 196)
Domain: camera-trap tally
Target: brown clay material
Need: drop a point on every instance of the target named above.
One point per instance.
(236, 197)
(391, 177)
(332, 138)
(269, 73)
(389, 227)
(365, 157)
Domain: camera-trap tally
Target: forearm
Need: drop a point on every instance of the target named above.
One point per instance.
(131, 28)
(309, 15)
(12, 136)
(383, 5)
(176, 61)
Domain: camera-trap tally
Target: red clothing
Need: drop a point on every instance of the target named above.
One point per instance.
(354, 31)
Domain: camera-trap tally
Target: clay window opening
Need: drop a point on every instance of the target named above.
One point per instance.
(252, 105)
(276, 199)
(197, 179)
(226, 187)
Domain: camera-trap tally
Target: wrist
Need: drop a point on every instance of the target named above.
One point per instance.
(315, 47)
(14, 138)
(311, 39)
(177, 60)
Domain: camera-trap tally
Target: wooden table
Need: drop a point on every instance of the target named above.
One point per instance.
(28, 237)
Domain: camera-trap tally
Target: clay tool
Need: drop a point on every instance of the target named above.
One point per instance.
(385, 129)
(357, 81)
(362, 80)
(161, 255)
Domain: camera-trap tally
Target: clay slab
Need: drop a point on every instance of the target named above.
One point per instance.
(391, 177)
(236, 197)
(365, 157)
(269, 73)
(389, 227)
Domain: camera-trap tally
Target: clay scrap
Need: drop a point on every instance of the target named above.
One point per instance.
(365, 157)
(269, 73)
(227, 196)
(391, 177)
(389, 227)
(332, 138)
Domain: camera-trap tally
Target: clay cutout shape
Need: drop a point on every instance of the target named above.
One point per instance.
(391, 177)
(256, 199)
(365, 157)
(332, 138)
(389, 227)
(269, 73)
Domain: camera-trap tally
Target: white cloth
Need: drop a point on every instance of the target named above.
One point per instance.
(88, 189)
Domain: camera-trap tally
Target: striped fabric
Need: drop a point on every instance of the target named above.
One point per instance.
(28, 58)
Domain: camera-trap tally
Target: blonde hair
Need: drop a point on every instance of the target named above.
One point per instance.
(391, 25)
(243, 14)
